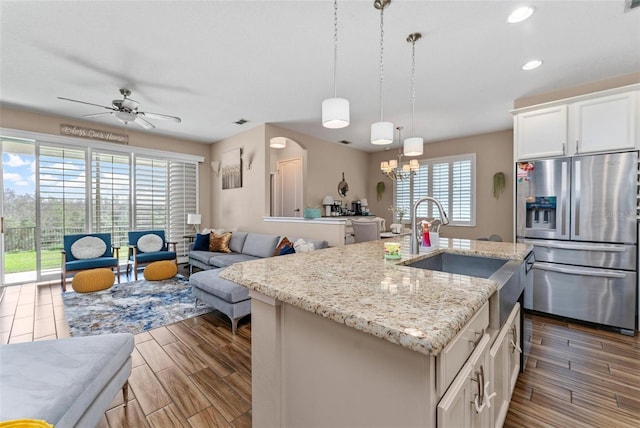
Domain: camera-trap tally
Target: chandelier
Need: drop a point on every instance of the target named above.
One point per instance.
(394, 169)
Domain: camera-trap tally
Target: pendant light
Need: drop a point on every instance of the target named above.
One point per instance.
(381, 132)
(335, 111)
(413, 146)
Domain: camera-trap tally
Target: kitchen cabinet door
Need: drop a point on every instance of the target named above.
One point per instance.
(541, 133)
(604, 124)
(505, 360)
(466, 402)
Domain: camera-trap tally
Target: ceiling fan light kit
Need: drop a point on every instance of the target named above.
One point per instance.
(335, 111)
(126, 111)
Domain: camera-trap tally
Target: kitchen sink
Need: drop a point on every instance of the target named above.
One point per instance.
(510, 275)
(481, 267)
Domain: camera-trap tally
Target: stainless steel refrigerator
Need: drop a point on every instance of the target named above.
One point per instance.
(580, 214)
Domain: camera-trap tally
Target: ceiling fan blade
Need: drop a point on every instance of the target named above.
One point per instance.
(84, 102)
(140, 121)
(160, 116)
(105, 113)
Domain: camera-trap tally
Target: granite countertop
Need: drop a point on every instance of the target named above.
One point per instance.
(354, 285)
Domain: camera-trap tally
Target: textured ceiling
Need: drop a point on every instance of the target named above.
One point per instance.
(214, 62)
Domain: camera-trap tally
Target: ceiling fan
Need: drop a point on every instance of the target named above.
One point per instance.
(126, 110)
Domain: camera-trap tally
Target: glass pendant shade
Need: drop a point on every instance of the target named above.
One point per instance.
(382, 133)
(413, 146)
(335, 113)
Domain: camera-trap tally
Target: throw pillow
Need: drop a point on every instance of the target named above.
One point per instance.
(201, 243)
(219, 243)
(88, 247)
(150, 243)
(302, 246)
(281, 245)
(287, 249)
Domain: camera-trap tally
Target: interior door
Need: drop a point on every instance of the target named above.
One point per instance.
(289, 188)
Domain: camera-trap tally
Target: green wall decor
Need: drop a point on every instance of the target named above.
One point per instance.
(380, 189)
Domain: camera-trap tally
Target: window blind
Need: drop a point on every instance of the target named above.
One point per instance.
(450, 180)
(183, 200)
(150, 197)
(111, 196)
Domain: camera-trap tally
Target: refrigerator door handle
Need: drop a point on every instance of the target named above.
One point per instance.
(578, 247)
(580, 272)
(577, 188)
(564, 216)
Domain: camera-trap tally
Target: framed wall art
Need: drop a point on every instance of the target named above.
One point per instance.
(231, 170)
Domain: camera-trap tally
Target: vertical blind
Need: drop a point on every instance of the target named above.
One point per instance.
(182, 187)
(450, 180)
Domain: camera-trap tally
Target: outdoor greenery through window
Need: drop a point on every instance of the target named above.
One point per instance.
(51, 190)
(451, 180)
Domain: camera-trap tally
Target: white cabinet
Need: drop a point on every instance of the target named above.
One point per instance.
(604, 123)
(541, 133)
(467, 402)
(505, 362)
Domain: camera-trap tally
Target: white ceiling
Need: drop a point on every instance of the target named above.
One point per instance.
(214, 62)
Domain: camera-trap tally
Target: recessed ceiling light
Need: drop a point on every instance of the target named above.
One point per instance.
(535, 63)
(520, 14)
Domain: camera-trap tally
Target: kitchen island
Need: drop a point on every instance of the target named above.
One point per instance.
(344, 337)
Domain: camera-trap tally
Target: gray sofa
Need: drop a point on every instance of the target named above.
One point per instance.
(244, 246)
(66, 382)
(228, 297)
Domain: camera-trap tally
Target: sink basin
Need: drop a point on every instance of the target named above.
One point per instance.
(481, 267)
(508, 274)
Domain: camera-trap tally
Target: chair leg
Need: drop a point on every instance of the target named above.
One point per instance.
(118, 269)
(125, 392)
(135, 271)
(63, 282)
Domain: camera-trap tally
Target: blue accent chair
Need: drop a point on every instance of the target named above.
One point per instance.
(71, 264)
(138, 257)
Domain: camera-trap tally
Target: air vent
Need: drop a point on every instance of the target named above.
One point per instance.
(241, 121)
(344, 142)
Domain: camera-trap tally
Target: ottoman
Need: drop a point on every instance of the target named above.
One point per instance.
(157, 271)
(227, 297)
(93, 280)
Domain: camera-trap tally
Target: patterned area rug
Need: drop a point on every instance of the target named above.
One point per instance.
(131, 307)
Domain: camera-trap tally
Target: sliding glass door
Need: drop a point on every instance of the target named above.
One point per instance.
(19, 262)
(51, 189)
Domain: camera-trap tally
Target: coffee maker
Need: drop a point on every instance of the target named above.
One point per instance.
(356, 207)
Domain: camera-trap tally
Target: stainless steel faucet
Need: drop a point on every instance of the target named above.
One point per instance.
(415, 238)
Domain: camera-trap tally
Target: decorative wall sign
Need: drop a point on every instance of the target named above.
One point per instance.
(94, 134)
(231, 170)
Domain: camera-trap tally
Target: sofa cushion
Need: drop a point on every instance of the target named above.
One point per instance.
(158, 255)
(59, 379)
(260, 245)
(201, 243)
(88, 247)
(237, 241)
(219, 243)
(229, 259)
(204, 256)
(210, 281)
(91, 263)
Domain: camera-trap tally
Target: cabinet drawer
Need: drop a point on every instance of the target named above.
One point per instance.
(454, 355)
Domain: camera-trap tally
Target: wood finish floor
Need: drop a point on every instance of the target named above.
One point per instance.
(195, 373)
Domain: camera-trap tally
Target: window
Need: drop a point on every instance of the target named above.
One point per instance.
(451, 180)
